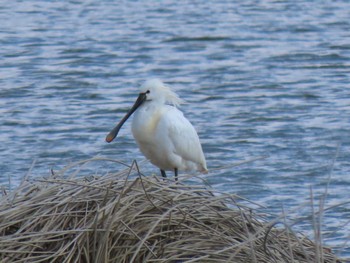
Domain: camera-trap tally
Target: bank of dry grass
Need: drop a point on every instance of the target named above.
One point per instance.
(128, 217)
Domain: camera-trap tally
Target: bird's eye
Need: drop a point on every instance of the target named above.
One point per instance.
(148, 92)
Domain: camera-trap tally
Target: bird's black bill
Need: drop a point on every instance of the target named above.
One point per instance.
(141, 98)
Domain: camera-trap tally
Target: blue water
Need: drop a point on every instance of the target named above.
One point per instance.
(259, 77)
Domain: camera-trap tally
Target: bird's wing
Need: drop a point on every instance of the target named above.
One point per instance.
(182, 135)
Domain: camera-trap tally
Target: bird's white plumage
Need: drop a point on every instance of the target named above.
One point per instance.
(163, 134)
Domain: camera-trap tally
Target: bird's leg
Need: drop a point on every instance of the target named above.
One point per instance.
(163, 173)
(175, 171)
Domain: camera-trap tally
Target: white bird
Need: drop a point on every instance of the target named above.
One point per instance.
(162, 132)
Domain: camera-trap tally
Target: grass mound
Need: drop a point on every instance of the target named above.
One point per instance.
(128, 217)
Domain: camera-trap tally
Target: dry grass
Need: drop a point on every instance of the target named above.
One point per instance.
(128, 217)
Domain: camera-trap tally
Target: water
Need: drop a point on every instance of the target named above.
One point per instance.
(260, 78)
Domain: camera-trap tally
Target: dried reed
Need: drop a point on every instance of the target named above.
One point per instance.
(129, 217)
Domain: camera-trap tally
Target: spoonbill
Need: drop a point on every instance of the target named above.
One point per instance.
(162, 132)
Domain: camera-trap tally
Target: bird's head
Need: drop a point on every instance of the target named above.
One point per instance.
(156, 90)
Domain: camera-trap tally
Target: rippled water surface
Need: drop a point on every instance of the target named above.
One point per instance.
(259, 77)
